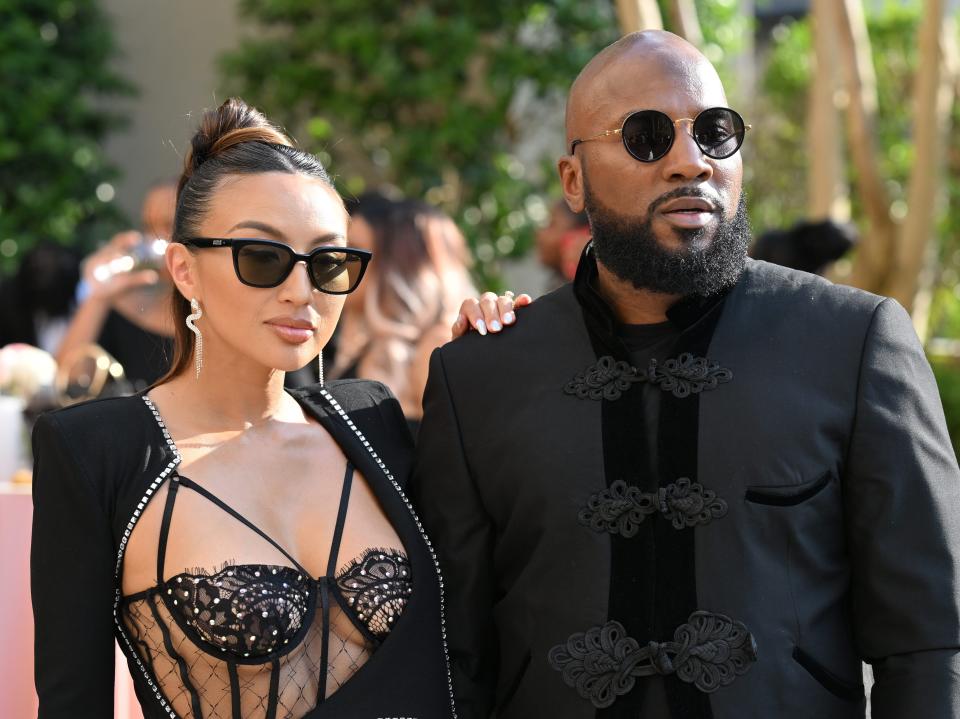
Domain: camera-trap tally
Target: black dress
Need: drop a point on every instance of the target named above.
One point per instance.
(251, 640)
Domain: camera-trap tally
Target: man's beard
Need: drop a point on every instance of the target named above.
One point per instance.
(628, 247)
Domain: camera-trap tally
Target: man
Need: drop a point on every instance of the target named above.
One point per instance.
(698, 486)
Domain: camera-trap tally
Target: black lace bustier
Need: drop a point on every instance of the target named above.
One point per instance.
(264, 640)
(253, 610)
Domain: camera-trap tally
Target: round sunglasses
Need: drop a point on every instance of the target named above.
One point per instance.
(265, 263)
(648, 135)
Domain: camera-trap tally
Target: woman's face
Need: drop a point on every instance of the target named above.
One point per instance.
(281, 327)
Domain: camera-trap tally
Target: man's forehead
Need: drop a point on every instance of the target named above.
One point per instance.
(672, 77)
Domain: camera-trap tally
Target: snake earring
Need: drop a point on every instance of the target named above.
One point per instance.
(320, 366)
(191, 320)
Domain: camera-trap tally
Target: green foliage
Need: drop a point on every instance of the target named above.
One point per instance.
(778, 189)
(54, 68)
(777, 156)
(419, 94)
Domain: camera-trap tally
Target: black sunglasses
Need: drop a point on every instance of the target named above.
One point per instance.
(265, 263)
(648, 134)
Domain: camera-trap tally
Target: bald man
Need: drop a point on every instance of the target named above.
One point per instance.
(699, 486)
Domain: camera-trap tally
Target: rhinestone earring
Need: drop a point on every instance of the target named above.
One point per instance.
(320, 366)
(191, 320)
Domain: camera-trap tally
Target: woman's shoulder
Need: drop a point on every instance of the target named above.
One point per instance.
(99, 433)
(349, 394)
(366, 407)
(99, 417)
(106, 444)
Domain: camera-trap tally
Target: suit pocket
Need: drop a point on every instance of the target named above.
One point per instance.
(788, 496)
(840, 688)
(513, 686)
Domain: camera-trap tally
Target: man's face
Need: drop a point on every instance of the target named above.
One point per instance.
(685, 200)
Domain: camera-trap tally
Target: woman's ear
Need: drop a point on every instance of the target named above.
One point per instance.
(182, 266)
(571, 181)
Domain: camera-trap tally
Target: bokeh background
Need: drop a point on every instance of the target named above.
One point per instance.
(854, 107)
(460, 102)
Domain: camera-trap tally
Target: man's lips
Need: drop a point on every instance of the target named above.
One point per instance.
(688, 212)
(688, 204)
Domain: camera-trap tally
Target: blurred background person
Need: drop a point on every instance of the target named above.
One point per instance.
(560, 241)
(807, 246)
(123, 298)
(410, 298)
(37, 301)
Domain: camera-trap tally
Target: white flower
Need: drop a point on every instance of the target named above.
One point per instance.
(25, 370)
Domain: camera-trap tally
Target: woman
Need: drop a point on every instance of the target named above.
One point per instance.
(406, 307)
(252, 549)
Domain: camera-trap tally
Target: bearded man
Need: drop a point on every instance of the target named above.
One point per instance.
(699, 487)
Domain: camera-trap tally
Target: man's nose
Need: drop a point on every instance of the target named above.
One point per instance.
(686, 161)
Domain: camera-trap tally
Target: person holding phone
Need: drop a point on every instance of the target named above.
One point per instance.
(122, 300)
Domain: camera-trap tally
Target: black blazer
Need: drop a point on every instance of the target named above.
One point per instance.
(819, 515)
(97, 464)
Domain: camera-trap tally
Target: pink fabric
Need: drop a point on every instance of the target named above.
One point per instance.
(18, 700)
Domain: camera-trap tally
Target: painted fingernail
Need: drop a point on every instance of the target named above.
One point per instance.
(509, 318)
(481, 327)
(495, 326)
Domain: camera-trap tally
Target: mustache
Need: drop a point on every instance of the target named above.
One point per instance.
(689, 191)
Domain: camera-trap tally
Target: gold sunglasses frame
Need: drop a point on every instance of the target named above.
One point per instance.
(678, 121)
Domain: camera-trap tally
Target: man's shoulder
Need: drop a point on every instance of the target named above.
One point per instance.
(549, 321)
(784, 289)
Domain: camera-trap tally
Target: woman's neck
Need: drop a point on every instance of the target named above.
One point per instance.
(224, 398)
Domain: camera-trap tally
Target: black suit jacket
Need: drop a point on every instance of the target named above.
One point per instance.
(823, 437)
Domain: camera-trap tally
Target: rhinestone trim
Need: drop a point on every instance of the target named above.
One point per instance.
(389, 475)
(123, 547)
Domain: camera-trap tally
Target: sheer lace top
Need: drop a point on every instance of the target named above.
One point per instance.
(263, 640)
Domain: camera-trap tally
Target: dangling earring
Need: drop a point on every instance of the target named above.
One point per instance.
(320, 365)
(191, 325)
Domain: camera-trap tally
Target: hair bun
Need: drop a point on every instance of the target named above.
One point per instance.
(232, 123)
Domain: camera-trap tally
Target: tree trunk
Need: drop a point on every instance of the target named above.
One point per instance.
(876, 248)
(827, 193)
(933, 95)
(683, 16)
(637, 15)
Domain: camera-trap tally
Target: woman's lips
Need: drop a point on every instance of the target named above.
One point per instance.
(293, 335)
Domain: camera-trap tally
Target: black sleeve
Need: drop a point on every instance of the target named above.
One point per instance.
(71, 567)
(462, 532)
(901, 494)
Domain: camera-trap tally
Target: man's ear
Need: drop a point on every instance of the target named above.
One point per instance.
(182, 266)
(571, 181)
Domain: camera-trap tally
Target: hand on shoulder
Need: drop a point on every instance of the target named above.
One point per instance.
(488, 313)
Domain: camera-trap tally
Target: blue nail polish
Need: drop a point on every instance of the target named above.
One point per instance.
(495, 326)
(481, 327)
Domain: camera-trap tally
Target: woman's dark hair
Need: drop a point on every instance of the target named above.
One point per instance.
(234, 139)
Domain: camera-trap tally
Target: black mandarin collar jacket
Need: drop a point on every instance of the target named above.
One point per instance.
(800, 516)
